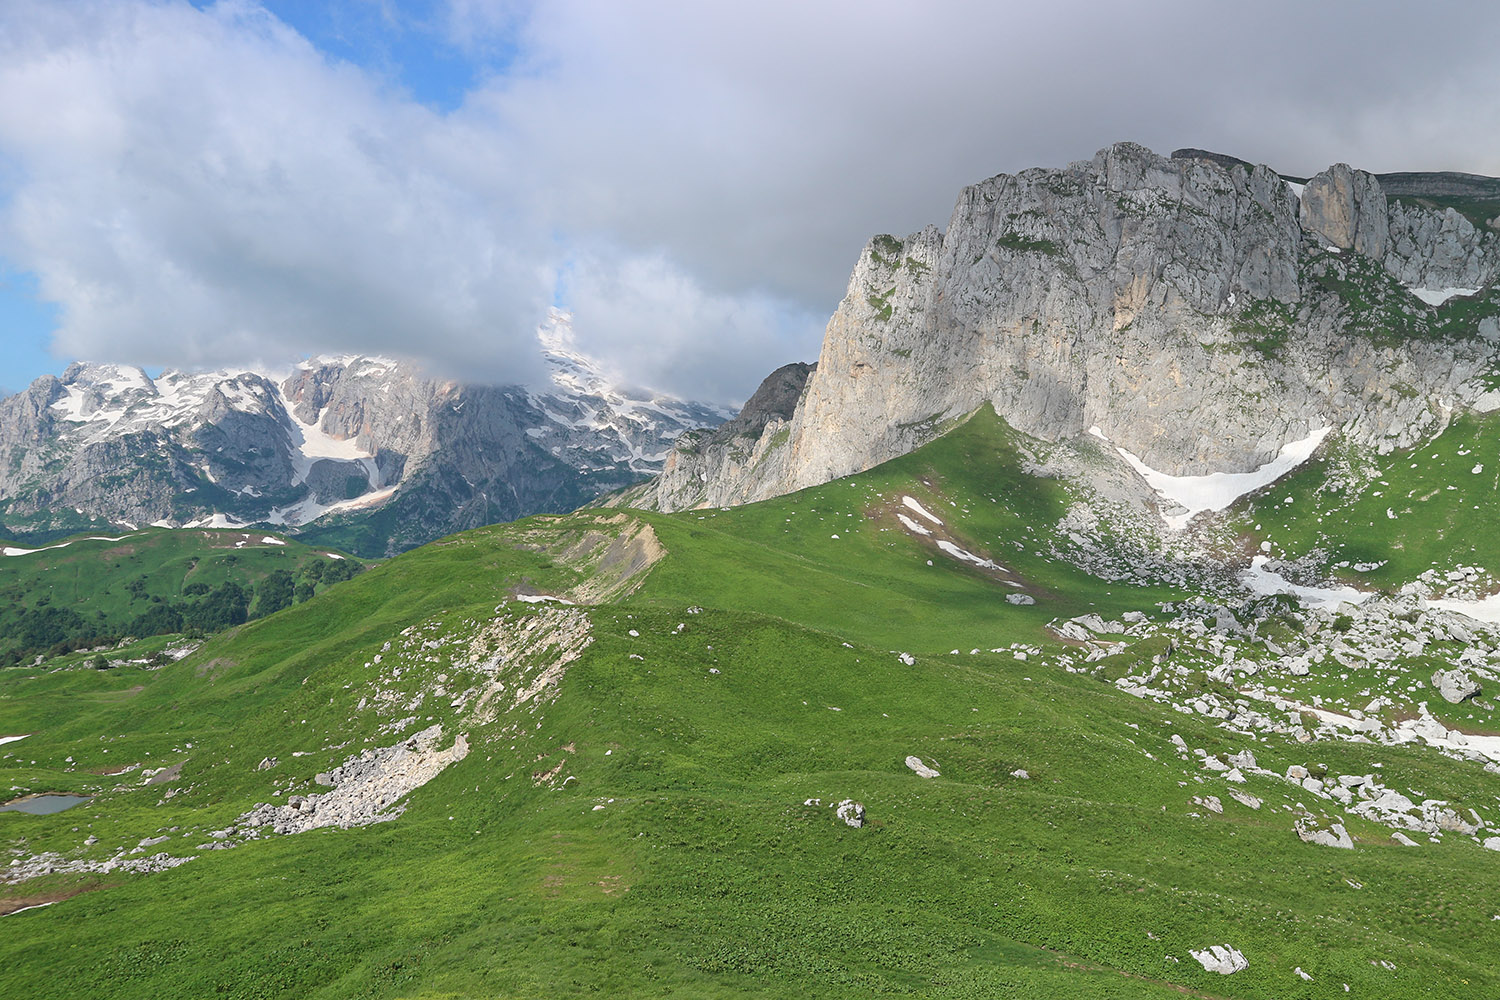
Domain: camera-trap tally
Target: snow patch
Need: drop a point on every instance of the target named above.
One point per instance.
(34, 906)
(1218, 490)
(311, 444)
(912, 525)
(310, 510)
(216, 521)
(12, 739)
(9, 551)
(1437, 296)
(1434, 733)
(913, 505)
(1486, 610)
(1262, 581)
(969, 557)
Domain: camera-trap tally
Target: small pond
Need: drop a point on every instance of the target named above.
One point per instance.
(41, 805)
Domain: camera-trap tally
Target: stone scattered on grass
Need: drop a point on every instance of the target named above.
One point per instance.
(1334, 836)
(367, 787)
(922, 770)
(1221, 958)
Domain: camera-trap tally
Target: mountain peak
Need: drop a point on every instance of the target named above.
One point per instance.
(1201, 318)
(333, 436)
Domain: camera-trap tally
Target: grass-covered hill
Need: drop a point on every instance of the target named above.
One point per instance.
(94, 591)
(1426, 514)
(638, 793)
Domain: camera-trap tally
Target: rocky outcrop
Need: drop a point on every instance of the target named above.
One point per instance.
(1347, 208)
(736, 450)
(1200, 313)
(1455, 686)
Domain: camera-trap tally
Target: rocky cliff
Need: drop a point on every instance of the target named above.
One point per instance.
(735, 450)
(365, 452)
(1196, 311)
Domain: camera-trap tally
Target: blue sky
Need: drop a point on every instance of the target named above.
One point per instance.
(26, 324)
(406, 43)
(206, 184)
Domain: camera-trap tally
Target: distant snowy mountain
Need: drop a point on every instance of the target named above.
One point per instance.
(365, 451)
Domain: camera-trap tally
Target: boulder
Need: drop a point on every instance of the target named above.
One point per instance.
(1221, 958)
(851, 812)
(1246, 799)
(1092, 622)
(921, 769)
(1454, 685)
(1334, 836)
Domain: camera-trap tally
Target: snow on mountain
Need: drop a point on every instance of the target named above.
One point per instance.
(329, 435)
(631, 425)
(1192, 495)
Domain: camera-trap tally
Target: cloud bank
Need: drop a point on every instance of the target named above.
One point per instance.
(197, 186)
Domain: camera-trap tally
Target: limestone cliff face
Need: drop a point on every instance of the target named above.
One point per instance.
(1200, 313)
(736, 451)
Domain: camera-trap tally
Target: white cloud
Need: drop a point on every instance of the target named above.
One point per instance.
(701, 344)
(201, 186)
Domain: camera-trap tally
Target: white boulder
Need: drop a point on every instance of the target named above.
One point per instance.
(1221, 958)
(922, 770)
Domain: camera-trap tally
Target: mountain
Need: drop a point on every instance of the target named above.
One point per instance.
(365, 453)
(1200, 313)
(1147, 645)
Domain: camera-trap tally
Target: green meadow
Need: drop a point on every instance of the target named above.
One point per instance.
(662, 822)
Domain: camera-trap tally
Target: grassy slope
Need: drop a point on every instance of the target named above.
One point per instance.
(1425, 508)
(874, 581)
(705, 875)
(89, 575)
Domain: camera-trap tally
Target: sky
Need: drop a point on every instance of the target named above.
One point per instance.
(212, 184)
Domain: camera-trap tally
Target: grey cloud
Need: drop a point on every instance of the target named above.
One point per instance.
(195, 186)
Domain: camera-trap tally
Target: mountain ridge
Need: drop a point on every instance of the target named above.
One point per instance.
(331, 440)
(1201, 315)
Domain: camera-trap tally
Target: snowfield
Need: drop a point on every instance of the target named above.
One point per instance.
(1217, 490)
